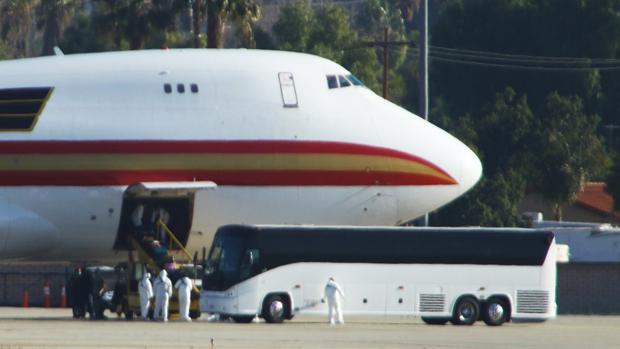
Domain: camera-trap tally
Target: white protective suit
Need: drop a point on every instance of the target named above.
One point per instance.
(146, 293)
(163, 291)
(333, 293)
(184, 287)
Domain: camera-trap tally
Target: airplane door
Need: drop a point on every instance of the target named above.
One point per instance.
(287, 89)
(176, 200)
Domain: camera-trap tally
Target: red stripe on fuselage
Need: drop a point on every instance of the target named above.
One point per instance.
(240, 178)
(229, 177)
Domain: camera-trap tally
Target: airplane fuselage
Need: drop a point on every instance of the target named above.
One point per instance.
(280, 144)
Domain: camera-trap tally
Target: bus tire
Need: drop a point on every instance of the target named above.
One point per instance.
(466, 311)
(495, 311)
(243, 319)
(435, 320)
(275, 309)
(194, 314)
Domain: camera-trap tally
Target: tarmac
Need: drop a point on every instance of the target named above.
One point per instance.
(39, 328)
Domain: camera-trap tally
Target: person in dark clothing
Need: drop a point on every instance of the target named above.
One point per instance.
(97, 295)
(86, 292)
(74, 294)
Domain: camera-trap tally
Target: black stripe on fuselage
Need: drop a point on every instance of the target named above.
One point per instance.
(16, 122)
(24, 93)
(20, 107)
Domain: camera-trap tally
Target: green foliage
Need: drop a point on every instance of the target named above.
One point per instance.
(134, 24)
(243, 13)
(16, 26)
(569, 151)
(4, 50)
(501, 137)
(294, 25)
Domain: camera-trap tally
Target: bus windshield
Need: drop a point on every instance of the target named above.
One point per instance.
(223, 264)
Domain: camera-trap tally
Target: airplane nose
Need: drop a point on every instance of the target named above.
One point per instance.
(471, 169)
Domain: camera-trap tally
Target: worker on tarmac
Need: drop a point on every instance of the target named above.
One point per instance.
(333, 293)
(163, 291)
(184, 287)
(146, 293)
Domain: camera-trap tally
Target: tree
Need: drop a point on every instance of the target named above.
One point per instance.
(17, 24)
(242, 12)
(132, 23)
(53, 18)
(294, 26)
(500, 136)
(569, 150)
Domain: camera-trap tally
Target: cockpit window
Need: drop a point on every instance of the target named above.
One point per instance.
(354, 80)
(332, 82)
(343, 81)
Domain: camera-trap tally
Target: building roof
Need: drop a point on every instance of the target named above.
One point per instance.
(594, 197)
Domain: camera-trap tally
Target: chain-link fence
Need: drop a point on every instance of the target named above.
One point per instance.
(15, 282)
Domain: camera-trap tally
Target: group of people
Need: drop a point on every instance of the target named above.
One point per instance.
(161, 291)
(84, 292)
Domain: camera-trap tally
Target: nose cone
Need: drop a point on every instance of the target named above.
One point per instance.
(471, 169)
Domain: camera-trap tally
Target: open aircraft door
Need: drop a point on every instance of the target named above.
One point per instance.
(175, 198)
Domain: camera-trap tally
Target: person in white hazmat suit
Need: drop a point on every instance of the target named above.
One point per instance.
(333, 293)
(146, 293)
(163, 291)
(184, 286)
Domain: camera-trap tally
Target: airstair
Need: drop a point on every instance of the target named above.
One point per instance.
(147, 253)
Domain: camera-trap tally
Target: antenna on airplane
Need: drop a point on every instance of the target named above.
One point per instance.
(58, 51)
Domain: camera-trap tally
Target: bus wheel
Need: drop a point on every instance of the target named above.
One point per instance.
(435, 320)
(242, 319)
(194, 314)
(495, 311)
(274, 309)
(466, 311)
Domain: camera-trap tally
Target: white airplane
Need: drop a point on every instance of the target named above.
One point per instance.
(278, 137)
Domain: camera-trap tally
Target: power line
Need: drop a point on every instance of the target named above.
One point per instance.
(517, 64)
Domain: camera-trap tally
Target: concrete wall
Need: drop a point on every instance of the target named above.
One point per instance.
(588, 288)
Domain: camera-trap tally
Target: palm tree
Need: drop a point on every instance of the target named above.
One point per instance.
(16, 25)
(136, 21)
(242, 12)
(54, 17)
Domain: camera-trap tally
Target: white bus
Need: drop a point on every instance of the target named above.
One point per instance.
(459, 275)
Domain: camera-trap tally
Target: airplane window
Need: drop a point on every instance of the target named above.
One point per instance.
(180, 88)
(331, 81)
(354, 80)
(343, 81)
(194, 88)
(167, 88)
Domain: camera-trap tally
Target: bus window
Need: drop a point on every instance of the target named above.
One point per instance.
(343, 81)
(248, 264)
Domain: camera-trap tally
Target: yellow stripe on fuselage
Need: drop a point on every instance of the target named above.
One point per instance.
(216, 162)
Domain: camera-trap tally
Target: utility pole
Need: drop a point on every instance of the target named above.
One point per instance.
(386, 62)
(195, 6)
(385, 45)
(423, 68)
